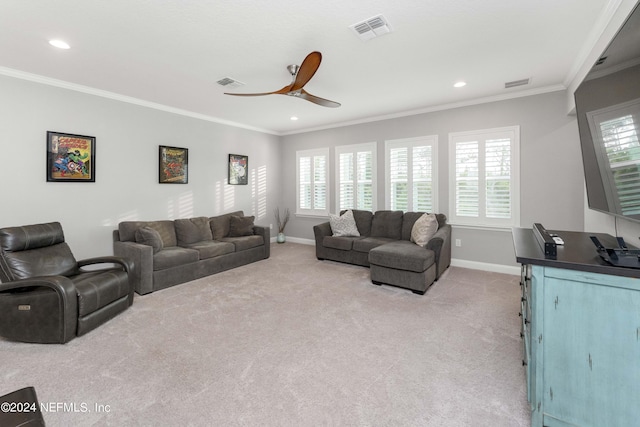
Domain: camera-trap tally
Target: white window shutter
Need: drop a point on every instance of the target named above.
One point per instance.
(485, 177)
(355, 177)
(498, 178)
(320, 173)
(312, 178)
(305, 182)
(422, 171)
(467, 189)
(410, 174)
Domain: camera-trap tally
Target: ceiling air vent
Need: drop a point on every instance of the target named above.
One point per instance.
(371, 28)
(515, 83)
(228, 82)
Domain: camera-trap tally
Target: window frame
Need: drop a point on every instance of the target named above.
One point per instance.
(316, 152)
(410, 143)
(481, 136)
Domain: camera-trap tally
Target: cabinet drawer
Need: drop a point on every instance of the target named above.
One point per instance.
(593, 278)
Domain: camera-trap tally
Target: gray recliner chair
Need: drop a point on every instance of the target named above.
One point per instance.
(46, 296)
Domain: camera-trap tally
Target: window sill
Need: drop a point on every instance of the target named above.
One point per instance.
(483, 227)
(311, 215)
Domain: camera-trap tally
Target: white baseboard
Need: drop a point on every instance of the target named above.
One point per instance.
(485, 266)
(297, 240)
(475, 265)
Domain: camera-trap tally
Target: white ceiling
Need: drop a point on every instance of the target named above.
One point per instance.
(172, 52)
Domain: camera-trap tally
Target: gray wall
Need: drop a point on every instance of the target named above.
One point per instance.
(552, 186)
(126, 187)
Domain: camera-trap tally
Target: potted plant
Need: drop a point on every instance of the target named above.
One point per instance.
(282, 223)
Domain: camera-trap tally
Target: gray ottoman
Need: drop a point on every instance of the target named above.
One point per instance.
(403, 264)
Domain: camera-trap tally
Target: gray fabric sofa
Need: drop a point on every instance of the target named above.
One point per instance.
(385, 246)
(169, 252)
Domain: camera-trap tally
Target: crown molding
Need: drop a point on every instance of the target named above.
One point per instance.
(10, 72)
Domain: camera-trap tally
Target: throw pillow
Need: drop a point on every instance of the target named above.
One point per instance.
(150, 237)
(343, 225)
(423, 229)
(240, 226)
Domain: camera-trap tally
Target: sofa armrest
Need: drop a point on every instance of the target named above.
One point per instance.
(440, 244)
(106, 260)
(122, 262)
(265, 232)
(322, 230)
(140, 260)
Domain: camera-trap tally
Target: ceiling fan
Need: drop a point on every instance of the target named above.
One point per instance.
(300, 76)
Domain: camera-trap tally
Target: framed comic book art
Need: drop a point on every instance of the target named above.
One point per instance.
(238, 169)
(70, 158)
(173, 165)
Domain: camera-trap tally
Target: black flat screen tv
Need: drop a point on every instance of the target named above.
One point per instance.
(608, 113)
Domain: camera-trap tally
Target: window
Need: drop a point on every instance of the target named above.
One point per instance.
(313, 190)
(411, 168)
(615, 136)
(356, 171)
(484, 177)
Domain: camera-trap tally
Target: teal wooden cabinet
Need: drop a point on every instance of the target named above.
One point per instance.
(581, 338)
(586, 349)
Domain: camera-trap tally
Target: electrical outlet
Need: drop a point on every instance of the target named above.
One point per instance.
(270, 226)
(458, 242)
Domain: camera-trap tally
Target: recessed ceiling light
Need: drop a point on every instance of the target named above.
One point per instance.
(460, 84)
(294, 118)
(59, 44)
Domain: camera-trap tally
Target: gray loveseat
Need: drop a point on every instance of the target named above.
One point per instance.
(168, 252)
(385, 246)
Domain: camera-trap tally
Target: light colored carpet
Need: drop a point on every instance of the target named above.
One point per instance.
(291, 341)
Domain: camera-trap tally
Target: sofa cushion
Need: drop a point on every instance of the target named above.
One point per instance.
(174, 256)
(150, 237)
(342, 243)
(212, 248)
(245, 242)
(402, 255)
(367, 243)
(192, 230)
(220, 224)
(127, 231)
(424, 229)
(410, 218)
(240, 226)
(387, 224)
(363, 220)
(343, 225)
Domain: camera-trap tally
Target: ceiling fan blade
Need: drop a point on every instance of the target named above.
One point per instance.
(307, 70)
(317, 100)
(282, 91)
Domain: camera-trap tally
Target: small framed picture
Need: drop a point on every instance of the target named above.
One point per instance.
(238, 169)
(173, 165)
(70, 157)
